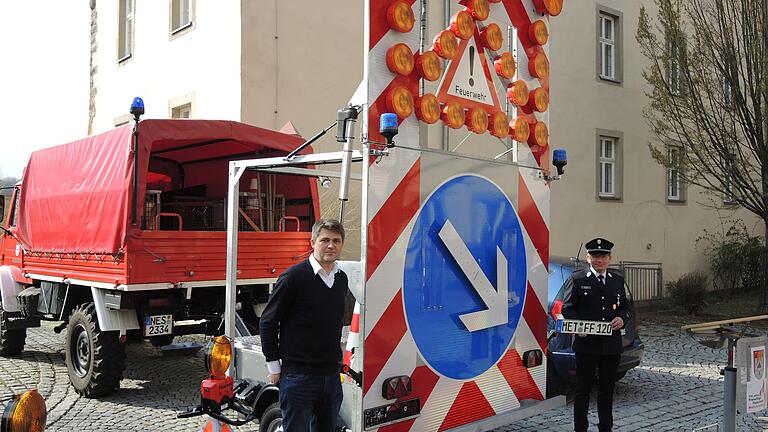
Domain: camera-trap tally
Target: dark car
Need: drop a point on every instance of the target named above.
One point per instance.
(561, 364)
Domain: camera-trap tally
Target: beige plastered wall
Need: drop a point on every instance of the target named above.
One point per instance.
(643, 224)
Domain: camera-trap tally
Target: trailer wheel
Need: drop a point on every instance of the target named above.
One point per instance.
(272, 419)
(95, 359)
(11, 341)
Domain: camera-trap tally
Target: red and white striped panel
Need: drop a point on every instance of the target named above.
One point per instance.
(393, 198)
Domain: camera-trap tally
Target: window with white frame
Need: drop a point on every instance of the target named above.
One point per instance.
(182, 111)
(727, 92)
(125, 30)
(607, 45)
(729, 192)
(674, 181)
(607, 166)
(181, 15)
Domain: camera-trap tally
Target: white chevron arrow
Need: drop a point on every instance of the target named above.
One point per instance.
(495, 300)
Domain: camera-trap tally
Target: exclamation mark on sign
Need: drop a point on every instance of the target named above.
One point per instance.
(471, 65)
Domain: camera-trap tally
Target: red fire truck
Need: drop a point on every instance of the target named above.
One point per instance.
(115, 239)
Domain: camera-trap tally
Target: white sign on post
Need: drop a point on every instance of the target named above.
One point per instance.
(751, 382)
(756, 400)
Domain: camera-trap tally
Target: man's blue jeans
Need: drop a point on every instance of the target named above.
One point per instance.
(310, 402)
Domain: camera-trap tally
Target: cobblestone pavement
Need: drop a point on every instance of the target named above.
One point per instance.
(678, 388)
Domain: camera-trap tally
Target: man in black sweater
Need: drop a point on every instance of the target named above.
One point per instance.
(301, 334)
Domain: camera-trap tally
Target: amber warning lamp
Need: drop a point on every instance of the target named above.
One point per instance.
(400, 59)
(538, 32)
(505, 65)
(517, 93)
(453, 115)
(428, 108)
(400, 101)
(538, 66)
(539, 134)
(551, 7)
(429, 66)
(477, 120)
(538, 100)
(520, 129)
(462, 25)
(400, 17)
(479, 9)
(491, 37)
(499, 125)
(26, 412)
(445, 45)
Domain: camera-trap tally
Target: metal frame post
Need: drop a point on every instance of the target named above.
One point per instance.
(729, 389)
(233, 197)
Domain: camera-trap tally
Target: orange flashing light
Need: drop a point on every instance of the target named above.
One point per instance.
(505, 65)
(499, 125)
(400, 59)
(520, 129)
(400, 101)
(539, 66)
(445, 45)
(462, 25)
(428, 108)
(517, 93)
(453, 115)
(477, 120)
(429, 66)
(538, 100)
(551, 7)
(539, 135)
(479, 9)
(491, 37)
(538, 32)
(400, 17)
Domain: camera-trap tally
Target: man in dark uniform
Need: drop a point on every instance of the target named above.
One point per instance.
(595, 294)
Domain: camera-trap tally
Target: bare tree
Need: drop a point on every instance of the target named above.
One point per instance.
(708, 89)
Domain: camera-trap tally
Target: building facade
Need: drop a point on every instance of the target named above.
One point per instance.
(268, 63)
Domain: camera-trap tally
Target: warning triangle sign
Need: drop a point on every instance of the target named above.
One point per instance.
(468, 79)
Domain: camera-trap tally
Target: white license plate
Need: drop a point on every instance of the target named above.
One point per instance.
(599, 328)
(158, 325)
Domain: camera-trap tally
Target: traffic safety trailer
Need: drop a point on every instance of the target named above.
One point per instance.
(450, 329)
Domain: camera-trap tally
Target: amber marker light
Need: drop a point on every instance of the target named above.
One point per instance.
(453, 115)
(539, 134)
(429, 66)
(538, 66)
(551, 7)
(499, 125)
(491, 37)
(400, 17)
(477, 120)
(517, 93)
(400, 102)
(538, 100)
(538, 32)
(479, 9)
(445, 45)
(462, 25)
(218, 356)
(520, 129)
(505, 65)
(428, 109)
(26, 412)
(400, 59)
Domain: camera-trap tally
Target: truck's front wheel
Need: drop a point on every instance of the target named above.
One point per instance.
(95, 359)
(11, 340)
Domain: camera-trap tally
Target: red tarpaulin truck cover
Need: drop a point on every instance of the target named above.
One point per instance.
(76, 197)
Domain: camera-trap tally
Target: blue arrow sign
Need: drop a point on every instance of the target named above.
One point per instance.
(465, 277)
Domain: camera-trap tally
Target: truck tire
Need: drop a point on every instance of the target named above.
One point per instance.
(160, 341)
(95, 359)
(272, 419)
(11, 341)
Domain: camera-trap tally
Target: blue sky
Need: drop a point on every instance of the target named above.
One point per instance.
(44, 83)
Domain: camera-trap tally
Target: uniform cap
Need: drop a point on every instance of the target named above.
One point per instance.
(599, 246)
